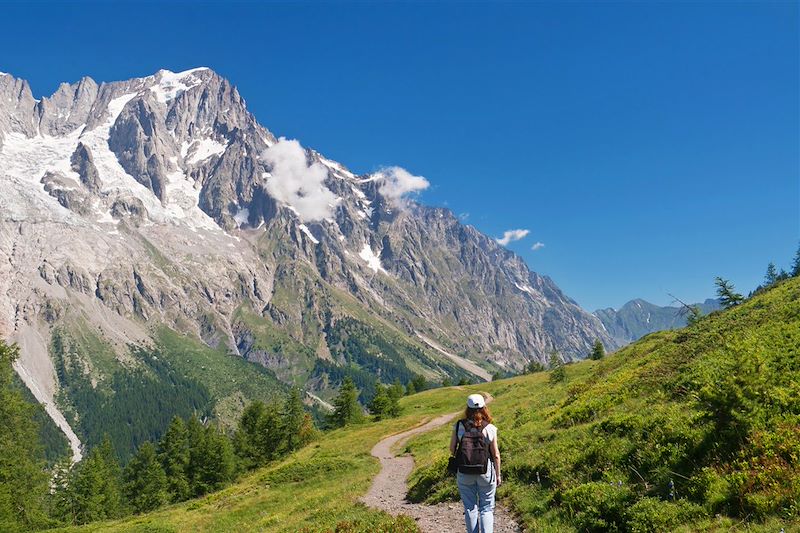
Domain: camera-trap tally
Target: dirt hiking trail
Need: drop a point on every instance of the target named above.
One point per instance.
(388, 491)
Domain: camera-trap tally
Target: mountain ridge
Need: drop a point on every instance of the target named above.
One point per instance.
(162, 202)
(639, 317)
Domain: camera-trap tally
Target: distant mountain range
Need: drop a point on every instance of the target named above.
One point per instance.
(638, 317)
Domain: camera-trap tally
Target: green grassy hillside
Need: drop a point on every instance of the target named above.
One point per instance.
(315, 489)
(714, 408)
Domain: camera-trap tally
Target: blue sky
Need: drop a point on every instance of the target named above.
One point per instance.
(649, 146)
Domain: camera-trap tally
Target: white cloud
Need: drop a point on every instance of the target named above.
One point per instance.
(298, 184)
(512, 235)
(397, 183)
(463, 217)
(537, 246)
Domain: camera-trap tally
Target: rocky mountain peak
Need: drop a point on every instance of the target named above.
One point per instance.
(67, 109)
(161, 202)
(16, 101)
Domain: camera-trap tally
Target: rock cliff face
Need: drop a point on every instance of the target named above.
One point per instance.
(161, 202)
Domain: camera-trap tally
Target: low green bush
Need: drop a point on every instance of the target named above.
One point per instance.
(298, 472)
(597, 506)
(651, 515)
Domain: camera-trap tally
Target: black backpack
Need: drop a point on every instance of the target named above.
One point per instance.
(472, 455)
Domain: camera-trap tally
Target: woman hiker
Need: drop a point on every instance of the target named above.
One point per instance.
(473, 444)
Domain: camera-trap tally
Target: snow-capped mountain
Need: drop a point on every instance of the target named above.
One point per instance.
(160, 202)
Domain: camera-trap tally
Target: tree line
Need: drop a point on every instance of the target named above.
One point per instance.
(113, 407)
(385, 403)
(192, 458)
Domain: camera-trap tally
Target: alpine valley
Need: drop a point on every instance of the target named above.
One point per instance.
(163, 253)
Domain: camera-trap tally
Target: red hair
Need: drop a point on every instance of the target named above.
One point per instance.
(480, 416)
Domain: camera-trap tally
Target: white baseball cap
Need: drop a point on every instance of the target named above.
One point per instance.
(475, 401)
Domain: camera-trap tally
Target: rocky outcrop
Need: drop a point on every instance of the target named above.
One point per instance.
(130, 209)
(83, 164)
(16, 107)
(67, 191)
(67, 109)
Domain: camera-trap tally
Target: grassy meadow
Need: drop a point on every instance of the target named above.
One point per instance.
(690, 430)
(315, 489)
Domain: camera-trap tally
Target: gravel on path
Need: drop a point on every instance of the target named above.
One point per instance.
(388, 491)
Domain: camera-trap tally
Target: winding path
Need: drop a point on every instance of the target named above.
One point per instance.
(388, 491)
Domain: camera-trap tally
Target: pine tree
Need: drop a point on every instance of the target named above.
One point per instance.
(379, 406)
(726, 293)
(213, 462)
(447, 382)
(346, 410)
(419, 383)
(534, 366)
(249, 440)
(795, 272)
(294, 424)
(556, 366)
(224, 457)
(395, 393)
(308, 431)
(195, 434)
(263, 434)
(396, 390)
(145, 483)
(114, 502)
(62, 499)
(598, 351)
(96, 485)
(411, 389)
(173, 453)
(23, 482)
(693, 314)
(555, 360)
(772, 275)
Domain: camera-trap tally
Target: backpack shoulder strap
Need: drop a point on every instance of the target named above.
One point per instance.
(458, 439)
(463, 424)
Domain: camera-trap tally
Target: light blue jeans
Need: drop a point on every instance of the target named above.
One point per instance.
(477, 494)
